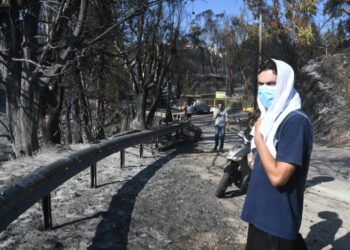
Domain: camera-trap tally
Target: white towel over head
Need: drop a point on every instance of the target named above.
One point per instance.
(285, 101)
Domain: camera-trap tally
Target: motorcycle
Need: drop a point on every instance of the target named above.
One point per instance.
(237, 171)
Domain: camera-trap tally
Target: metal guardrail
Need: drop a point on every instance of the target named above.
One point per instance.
(18, 197)
(176, 115)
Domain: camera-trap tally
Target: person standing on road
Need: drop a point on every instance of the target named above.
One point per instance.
(283, 138)
(189, 112)
(221, 120)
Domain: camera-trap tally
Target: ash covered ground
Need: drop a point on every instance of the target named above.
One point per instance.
(166, 201)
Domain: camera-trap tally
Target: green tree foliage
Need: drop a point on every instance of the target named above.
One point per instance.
(294, 15)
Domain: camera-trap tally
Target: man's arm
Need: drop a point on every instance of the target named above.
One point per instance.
(215, 114)
(277, 172)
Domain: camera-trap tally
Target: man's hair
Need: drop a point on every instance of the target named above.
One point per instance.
(269, 64)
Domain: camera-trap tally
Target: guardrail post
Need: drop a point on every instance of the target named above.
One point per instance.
(46, 206)
(93, 170)
(122, 158)
(141, 150)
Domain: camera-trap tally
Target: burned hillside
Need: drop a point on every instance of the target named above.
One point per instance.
(325, 90)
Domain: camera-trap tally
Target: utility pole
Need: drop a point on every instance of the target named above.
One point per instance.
(259, 56)
(260, 33)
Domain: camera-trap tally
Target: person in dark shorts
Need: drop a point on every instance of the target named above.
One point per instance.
(283, 139)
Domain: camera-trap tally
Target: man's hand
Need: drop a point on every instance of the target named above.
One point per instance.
(277, 172)
(215, 114)
(258, 123)
(257, 133)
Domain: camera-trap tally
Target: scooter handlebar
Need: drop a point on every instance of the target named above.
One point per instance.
(243, 135)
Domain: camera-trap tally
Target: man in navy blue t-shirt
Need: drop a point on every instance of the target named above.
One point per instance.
(283, 140)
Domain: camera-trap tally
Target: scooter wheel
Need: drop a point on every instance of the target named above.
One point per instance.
(245, 182)
(223, 184)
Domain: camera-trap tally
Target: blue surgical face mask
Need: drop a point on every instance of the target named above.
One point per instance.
(266, 95)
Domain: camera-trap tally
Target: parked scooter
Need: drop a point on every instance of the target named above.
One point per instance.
(237, 171)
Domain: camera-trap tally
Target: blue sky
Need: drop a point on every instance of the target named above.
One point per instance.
(230, 7)
(234, 7)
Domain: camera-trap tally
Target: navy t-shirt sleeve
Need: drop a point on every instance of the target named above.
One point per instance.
(292, 142)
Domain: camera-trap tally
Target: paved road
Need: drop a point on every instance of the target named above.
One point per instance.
(176, 208)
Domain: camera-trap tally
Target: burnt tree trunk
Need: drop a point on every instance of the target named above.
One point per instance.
(77, 134)
(51, 99)
(19, 50)
(152, 112)
(10, 70)
(18, 33)
(101, 100)
(86, 111)
(68, 105)
(29, 97)
(139, 121)
(153, 109)
(55, 59)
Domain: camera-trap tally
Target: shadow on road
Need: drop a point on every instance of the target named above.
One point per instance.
(77, 221)
(323, 233)
(317, 180)
(112, 232)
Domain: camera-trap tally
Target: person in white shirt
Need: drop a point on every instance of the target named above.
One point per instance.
(221, 120)
(189, 112)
